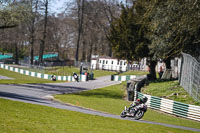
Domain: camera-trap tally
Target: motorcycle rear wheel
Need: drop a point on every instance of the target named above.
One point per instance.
(139, 114)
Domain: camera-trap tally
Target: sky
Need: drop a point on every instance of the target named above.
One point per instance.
(57, 5)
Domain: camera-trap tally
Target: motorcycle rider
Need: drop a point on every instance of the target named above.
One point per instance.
(139, 102)
(75, 76)
(136, 109)
(53, 77)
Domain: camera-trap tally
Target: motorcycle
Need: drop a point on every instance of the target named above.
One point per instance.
(53, 77)
(76, 77)
(136, 110)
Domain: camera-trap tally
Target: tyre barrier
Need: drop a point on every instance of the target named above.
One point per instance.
(171, 107)
(41, 75)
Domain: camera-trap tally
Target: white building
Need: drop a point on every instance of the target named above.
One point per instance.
(107, 63)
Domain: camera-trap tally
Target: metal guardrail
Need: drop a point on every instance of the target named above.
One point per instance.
(171, 107)
(190, 76)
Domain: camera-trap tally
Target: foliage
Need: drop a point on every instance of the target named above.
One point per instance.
(157, 30)
(173, 27)
(13, 13)
(127, 36)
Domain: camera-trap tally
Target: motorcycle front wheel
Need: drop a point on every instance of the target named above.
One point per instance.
(139, 114)
(123, 114)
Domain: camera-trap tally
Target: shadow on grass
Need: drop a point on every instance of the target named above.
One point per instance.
(52, 89)
(162, 80)
(99, 93)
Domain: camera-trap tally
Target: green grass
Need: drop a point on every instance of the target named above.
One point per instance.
(19, 78)
(54, 70)
(62, 71)
(110, 99)
(134, 73)
(170, 90)
(100, 73)
(17, 117)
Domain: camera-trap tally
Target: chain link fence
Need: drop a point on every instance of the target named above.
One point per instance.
(190, 76)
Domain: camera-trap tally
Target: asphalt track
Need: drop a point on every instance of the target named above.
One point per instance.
(4, 77)
(42, 94)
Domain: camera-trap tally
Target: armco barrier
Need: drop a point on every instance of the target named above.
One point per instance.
(172, 107)
(41, 75)
(122, 78)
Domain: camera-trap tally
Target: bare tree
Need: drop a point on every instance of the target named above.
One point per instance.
(80, 8)
(32, 26)
(42, 41)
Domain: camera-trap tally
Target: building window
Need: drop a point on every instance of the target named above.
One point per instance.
(112, 62)
(103, 61)
(99, 61)
(124, 63)
(120, 62)
(106, 62)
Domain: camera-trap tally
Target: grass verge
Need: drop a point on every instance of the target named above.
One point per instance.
(100, 73)
(63, 71)
(110, 99)
(134, 73)
(170, 90)
(17, 117)
(20, 78)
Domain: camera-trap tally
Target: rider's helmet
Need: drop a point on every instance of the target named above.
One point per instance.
(138, 101)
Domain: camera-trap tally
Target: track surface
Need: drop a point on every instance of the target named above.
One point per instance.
(41, 94)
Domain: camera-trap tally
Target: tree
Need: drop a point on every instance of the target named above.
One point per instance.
(42, 41)
(80, 12)
(32, 26)
(172, 27)
(127, 36)
(13, 14)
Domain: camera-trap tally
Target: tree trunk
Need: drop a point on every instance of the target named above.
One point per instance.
(80, 25)
(110, 50)
(32, 50)
(90, 52)
(83, 52)
(16, 54)
(168, 63)
(42, 43)
(152, 70)
(32, 36)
